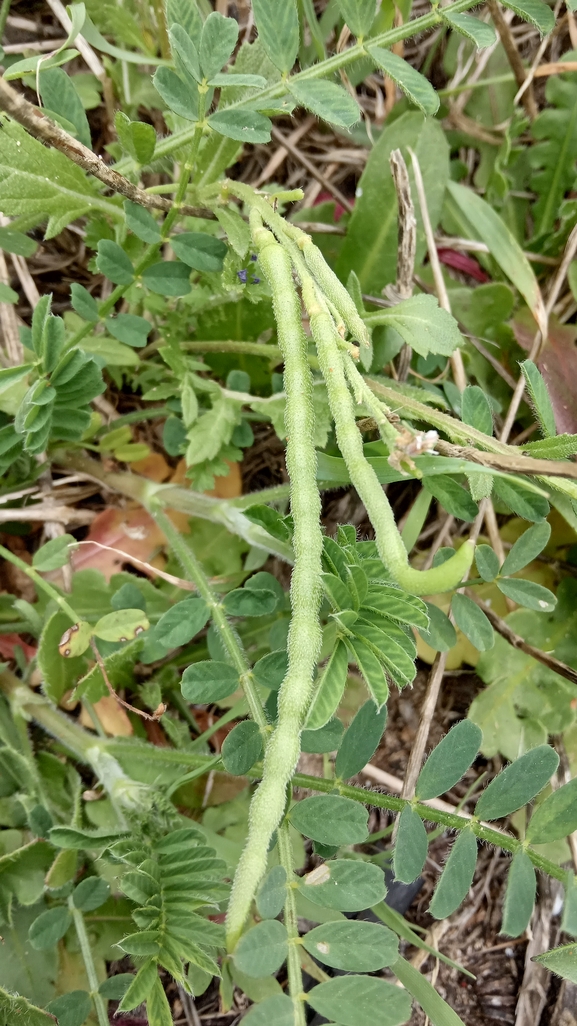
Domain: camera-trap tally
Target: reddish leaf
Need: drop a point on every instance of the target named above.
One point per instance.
(463, 263)
(9, 641)
(133, 531)
(558, 365)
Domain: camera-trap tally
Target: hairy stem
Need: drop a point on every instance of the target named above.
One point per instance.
(192, 567)
(283, 748)
(295, 975)
(40, 583)
(86, 951)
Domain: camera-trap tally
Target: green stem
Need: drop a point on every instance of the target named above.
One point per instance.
(39, 582)
(324, 69)
(377, 410)
(82, 744)
(4, 11)
(193, 569)
(283, 748)
(91, 976)
(295, 976)
(389, 542)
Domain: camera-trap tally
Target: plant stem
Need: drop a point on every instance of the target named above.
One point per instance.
(192, 567)
(295, 976)
(84, 943)
(4, 10)
(324, 69)
(39, 582)
(283, 748)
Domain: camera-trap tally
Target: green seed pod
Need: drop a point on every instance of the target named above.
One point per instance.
(283, 748)
(334, 290)
(389, 542)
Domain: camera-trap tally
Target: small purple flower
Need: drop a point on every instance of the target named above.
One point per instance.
(253, 257)
(241, 275)
(255, 281)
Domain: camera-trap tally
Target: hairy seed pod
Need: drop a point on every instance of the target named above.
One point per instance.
(389, 542)
(304, 639)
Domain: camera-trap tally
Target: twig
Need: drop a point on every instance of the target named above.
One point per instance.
(425, 717)
(514, 58)
(456, 358)
(516, 641)
(9, 322)
(47, 512)
(178, 582)
(509, 464)
(158, 712)
(43, 128)
(406, 248)
(312, 169)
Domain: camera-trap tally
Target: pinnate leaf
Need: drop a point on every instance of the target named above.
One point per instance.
(449, 760)
(49, 927)
(562, 961)
(476, 410)
(242, 748)
(330, 687)
(346, 885)
(272, 893)
(518, 783)
(456, 877)
(243, 125)
(277, 1009)
(441, 634)
(361, 739)
(361, 1001)
(328, 101)
(209, 681)
(479, 32)
(218, 40)
(472, 622)
(330, 819)
(416, 87)
(410, 847)
(556, 817)
(200, 251)
(278, 31)
(356, 947)
(262, 950)
(121, 625)
(539, 397)
(358, 14)
(519, 896)
(536, 12)
(528, 594)
(527, 548)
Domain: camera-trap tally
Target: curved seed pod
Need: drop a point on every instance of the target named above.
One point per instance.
(389, 542)
(283, 748)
